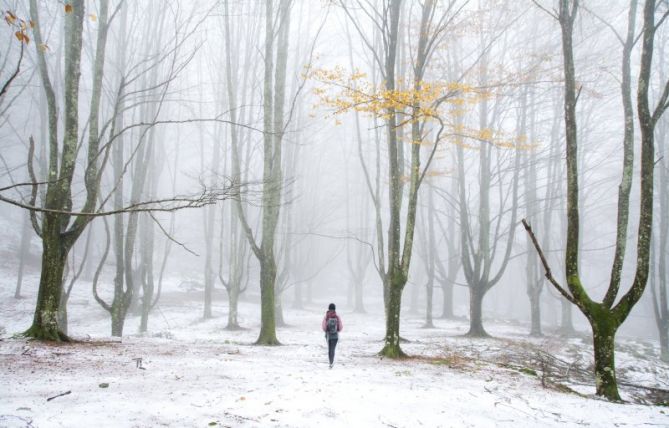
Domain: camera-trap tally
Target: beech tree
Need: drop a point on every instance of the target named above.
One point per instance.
(660, 249)
(486, 236)
(605, 317)
(66, 209)
(275, 58)
(58, 230)
(415, 108)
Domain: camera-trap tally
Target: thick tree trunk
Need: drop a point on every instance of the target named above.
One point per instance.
(54, 256)
(605, 368)
(476, 295)
(267, 334)
(349, 293)
(147, 249)
(392, 348)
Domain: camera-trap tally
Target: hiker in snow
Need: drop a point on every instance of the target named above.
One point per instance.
(331, 326)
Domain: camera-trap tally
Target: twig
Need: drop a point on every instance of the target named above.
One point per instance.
(170, 237)
(59, 395)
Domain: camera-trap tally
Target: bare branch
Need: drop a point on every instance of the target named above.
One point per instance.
(204, 198)
(544, 262)
(33, 194)
(168, 236)
(552, 14)
(5, 86)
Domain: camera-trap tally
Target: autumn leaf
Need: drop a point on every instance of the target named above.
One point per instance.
(10, 18)
(93, 17)
(22, 37)
(68, 8)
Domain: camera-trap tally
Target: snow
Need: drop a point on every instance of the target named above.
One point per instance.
(193, 372)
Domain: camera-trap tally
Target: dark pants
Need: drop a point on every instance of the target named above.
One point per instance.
(332, 344)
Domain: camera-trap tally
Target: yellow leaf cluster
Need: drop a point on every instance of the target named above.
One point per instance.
(21, 26)
(343, 92)
(22, 37)
(10, 18)
(497, 138)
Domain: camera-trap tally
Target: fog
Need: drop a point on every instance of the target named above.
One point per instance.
(376, 154)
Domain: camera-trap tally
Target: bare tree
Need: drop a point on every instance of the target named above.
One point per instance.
(606, 317)
(394, 256)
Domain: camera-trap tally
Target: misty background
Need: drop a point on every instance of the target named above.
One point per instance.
(172, 113)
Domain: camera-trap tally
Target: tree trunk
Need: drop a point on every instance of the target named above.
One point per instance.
(476, 295)
(535, 311)
(23, 253)
(664, 343)
(605, 367)
(415, 294)
(447, 300)
(118, 319)
(54, 256)
(233, 304)
(358, 302)
(429, 294)
(392, 348)
(148, 286)
(566, 319)
(267, 334)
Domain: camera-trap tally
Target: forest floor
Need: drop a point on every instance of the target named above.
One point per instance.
(189, 372)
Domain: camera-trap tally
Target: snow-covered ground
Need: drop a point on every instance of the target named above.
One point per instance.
(194, 373)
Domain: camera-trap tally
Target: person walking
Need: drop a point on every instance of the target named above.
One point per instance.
(331, 325)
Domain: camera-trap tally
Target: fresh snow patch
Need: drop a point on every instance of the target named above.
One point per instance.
(192, 372)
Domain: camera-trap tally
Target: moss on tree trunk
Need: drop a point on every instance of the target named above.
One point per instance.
(391, 348)
(267, 334)
(54, 256)
(603, 337)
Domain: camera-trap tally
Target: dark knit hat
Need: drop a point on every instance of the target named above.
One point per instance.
(331, 307)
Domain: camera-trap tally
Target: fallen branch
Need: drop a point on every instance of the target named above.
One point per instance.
(59, 395)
